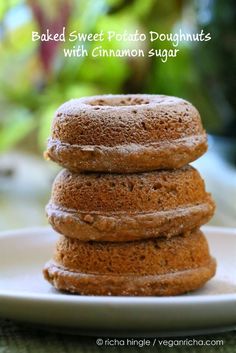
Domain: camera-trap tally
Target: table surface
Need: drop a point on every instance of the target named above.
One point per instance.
(21, 338)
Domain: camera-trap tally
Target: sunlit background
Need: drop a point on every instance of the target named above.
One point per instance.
(35, 79)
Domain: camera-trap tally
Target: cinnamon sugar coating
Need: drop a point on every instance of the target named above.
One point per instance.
(152, 267)
(126, 133)
(120, 207)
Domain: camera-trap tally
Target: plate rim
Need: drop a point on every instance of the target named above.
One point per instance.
(119, 300)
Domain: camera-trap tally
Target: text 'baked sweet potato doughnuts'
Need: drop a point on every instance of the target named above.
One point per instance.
(151, 267)
(126, 133)
(125, 207)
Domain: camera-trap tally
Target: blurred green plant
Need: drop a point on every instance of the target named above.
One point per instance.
(35, 78)
(218, 60)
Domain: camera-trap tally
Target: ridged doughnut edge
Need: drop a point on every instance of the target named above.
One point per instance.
(124, 227)
(155, 285)
(127, 158)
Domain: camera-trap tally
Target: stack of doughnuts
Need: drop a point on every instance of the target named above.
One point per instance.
(128, 206)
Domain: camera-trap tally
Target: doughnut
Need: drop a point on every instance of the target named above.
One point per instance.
(126, 134)
(126, 207)
(157, 266)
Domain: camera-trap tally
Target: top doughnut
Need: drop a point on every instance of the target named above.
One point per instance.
(126, 133)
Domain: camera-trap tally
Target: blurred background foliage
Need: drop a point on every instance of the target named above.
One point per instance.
(35, 77)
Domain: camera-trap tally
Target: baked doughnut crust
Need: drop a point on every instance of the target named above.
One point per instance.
(119, 207)
(151, 267)
(126, 133)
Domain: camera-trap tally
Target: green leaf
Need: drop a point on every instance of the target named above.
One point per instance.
(46, 117)
(15, 128)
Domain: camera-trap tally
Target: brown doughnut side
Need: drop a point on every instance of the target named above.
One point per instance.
(127, 158)
(144, 257)
(145, 132)
(154, 285)
(116, 207)
(155, 267)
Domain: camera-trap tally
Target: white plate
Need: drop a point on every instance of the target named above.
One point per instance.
(26, 296)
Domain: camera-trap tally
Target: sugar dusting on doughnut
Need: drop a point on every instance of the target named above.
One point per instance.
(126, 133)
